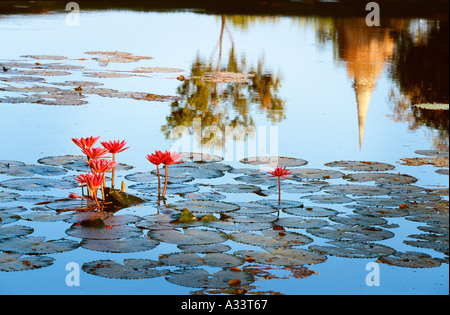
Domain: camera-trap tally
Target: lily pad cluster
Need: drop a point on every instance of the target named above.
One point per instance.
(219, 217)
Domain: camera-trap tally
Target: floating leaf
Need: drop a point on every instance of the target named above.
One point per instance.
(6, 218)
(311, 211)
(200, 157)
(219, 260)
(37, 245)
(364, 166)
(45, 57)
(360, 220)
(227, 77)
(31, 170)
(355, 190)
(18, 262)
(432, 152)
(327, 199)
(314, 173)
(430, 241)
(236, 188)
(431, 218)
(76, 163)
(200, 278)
(271, 238)
(189, 236)
(432, 106)
(43, 216)
(253, 208)
(171, 188)
(382, 212)
(382, 178)
(283, 204)
(206, 207)
(131, 269)
(204, 249)
(14, 231)
(274, 161)
(351, 249)
(283, 257)
(125, 245)
(215, 196)
(198, 171)
(410, 260)
(258, 179)
(36, 184)
(380, 202)
(157, 70)
(301, 223)
(294, 189)
(106, 233)
(116, 56)
(352, 233)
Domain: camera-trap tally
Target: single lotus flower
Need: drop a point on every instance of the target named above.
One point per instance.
(114, 147)
(157, 159)
(85, 142)
(94, 153)
(82, 179)
(101, 165)
(170, 158)
(280, 172)
(94, 181)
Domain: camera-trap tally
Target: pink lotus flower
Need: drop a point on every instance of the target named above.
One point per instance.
(94, 153)
(171, 158)
(114, 147)
(280, 172)
(101, 165)
(157, 158)
(85, 142)
(94, 181)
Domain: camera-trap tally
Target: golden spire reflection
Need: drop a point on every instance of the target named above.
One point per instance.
(366, 51)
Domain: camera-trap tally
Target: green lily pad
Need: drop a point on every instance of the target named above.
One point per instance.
(352, 233)
(270, 238)
(200, 157)
(189, 236)
(31, 170)
(200, 278)
(204, 207)
(204, 249)
(37, 245)
(279, 205)
(361, 166)
(36, 184)
(381, 212)
(356, 190)
(328, 199)
(171, 188)
(382, 178)
(131, 269)
(311, 211)
(274, 161)
(125, 245)
(214, 196)
(45, 216)
(283, 257)
(301, 223)
(410, 260)
(236, 188)
(314, 173)
(13, 231)
(106, 233)
(360, 220)
(18, 262)
(294, 188)
(219, 260)
(352, 249)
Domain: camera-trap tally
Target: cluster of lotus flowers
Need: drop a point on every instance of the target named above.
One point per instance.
(100, 165)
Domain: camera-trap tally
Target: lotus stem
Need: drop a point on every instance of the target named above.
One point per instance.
(113, 170)
(159, 182)
(165, 183)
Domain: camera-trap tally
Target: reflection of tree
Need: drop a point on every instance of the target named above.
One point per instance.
(420, 69)
(229, 103)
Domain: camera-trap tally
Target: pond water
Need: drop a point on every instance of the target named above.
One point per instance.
(319, 88)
